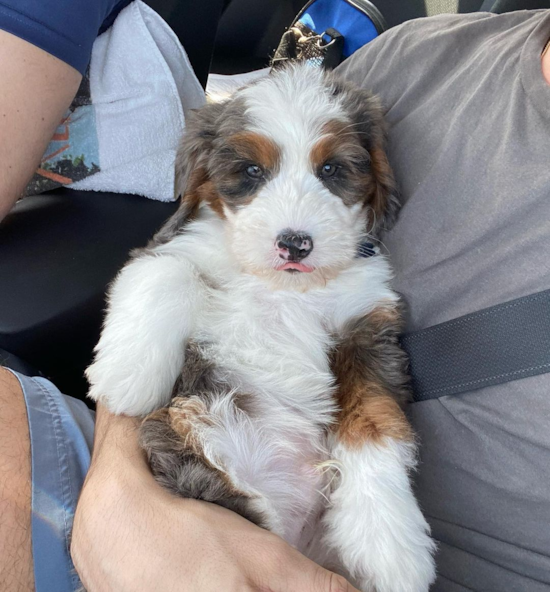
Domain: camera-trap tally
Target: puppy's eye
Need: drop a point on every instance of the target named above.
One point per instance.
(254, 171)
(328, 170)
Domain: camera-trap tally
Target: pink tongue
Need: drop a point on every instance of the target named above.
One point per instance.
(297, 266)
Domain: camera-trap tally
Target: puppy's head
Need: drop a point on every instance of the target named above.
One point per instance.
(295, 165)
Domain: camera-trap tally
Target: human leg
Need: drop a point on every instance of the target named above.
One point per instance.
(45, 445)
(16, 572)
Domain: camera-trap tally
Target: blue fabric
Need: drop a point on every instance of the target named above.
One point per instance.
(66, 29)
(353, 24)
(61, 432)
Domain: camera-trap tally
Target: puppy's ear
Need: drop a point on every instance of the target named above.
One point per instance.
(365, 111)
(191, 167)
(385, 200)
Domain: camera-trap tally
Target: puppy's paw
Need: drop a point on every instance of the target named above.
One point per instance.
(125, 386)
(375, 522)
(404, 570)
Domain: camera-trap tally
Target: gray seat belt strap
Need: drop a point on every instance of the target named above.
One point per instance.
(492, 346)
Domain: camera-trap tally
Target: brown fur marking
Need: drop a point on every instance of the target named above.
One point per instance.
(369, 413)
(257, 148)
(192, 196)
(183, 415)
(322, 151)
(335, 138)
(369, 367)
(207, 193)
(385, 183)
(340, 144)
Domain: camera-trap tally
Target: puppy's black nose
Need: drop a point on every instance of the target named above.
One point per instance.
(294, 246)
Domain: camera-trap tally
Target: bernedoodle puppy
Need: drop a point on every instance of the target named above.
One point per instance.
(259, 342)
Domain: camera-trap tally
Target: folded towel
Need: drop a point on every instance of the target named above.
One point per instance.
(222, 86)
(122, 132)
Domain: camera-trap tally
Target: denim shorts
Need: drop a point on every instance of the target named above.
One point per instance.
(61, 432)
(66, 29)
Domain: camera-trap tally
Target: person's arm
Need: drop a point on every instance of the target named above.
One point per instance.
(36, 89)
(130, 534)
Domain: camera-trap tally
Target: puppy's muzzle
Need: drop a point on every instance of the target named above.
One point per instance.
(293, 246)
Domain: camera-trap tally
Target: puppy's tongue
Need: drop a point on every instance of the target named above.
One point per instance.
(296, 266)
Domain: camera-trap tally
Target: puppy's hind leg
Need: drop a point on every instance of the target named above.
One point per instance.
(373, 521)
(182, 445)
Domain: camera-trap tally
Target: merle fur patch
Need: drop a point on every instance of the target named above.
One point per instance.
(184, 471)
(174, 449)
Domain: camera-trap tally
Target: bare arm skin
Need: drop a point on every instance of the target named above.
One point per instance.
(35, 92)
(130, 534)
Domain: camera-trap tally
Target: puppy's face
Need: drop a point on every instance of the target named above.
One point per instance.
(295, 166)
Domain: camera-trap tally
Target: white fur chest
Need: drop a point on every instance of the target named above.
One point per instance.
(276, 342)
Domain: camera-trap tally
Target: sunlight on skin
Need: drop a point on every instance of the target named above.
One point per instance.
(36, 90)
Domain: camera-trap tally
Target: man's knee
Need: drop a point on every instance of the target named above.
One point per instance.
(14, 431)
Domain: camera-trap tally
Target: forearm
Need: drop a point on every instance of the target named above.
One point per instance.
(116, 446)
(119, 467)
(119, 508)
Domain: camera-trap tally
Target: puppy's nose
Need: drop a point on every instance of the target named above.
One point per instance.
(294, 246)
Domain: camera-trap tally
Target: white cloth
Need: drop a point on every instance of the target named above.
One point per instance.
(141, 85)
(222, 86)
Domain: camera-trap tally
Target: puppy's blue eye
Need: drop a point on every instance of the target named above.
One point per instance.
(328, 170)
(254, 171)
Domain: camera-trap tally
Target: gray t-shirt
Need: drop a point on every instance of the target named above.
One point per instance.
(469, 140)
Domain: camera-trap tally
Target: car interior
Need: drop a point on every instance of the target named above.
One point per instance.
(61, 249)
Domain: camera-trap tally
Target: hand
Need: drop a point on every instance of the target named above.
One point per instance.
(131, 535)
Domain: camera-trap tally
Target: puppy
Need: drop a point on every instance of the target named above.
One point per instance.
(262, 348)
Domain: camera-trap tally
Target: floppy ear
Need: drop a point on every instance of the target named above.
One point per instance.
(367, 115)
(191, 168)
(195, 147)
(385, 200)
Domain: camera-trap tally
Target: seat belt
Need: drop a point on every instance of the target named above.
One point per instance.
(492, 346)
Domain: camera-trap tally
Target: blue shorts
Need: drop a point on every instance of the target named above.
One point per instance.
(66, 29)
(61, 432)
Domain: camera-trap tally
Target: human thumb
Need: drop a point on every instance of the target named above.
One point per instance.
(328, 581)
(313, 578)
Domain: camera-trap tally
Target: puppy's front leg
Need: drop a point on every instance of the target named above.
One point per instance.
(374, 521)
(152, 306)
